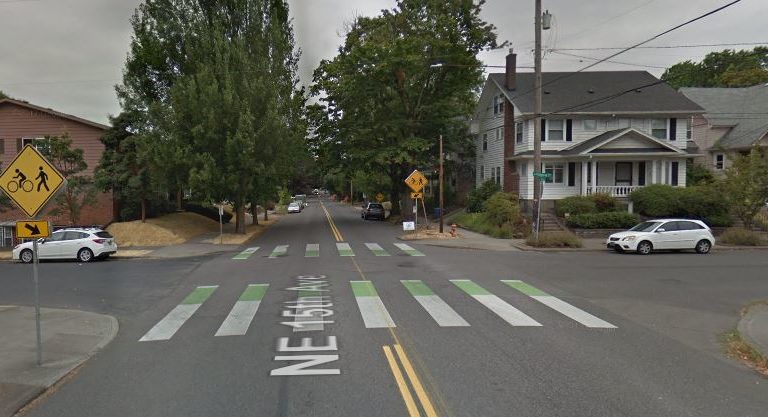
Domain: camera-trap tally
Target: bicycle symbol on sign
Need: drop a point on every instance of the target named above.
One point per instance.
(27, 185)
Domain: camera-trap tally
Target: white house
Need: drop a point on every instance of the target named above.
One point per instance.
(608, 132)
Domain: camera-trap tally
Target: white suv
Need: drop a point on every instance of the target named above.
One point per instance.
(663, 234)
(84, 245)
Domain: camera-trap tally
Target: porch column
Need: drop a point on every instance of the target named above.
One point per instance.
(584, 178)
(593, 175)
(635, 171)
(653, 172)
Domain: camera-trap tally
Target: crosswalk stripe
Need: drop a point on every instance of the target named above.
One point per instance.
(172, 322)
(408, 249)
(242, 313)
(344, 249)
(559, 305)
(280, 250)
(312, 251)
(375, 315)
(444, 315)
(502, 309)
(246, 253)
(376, 249)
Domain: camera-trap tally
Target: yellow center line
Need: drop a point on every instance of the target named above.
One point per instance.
(335, 230)
(415, 382)
(407, 397)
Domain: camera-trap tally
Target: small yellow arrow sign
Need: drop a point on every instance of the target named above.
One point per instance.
(417, 195)
(416, 181)
(33, 229)
(30, 180)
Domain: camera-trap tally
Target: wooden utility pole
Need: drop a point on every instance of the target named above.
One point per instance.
(441, 183)
(537, 121)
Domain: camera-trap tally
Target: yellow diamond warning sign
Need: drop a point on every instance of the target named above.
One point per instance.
(416, 181)
(30, 180)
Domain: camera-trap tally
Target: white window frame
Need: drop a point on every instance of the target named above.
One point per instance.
(585, 124)
(31, 141)
(485, 142)
(499, 133)
(654, 128)
(498, 104)
(524, 169)
(553, 167)
(482, 173)
(719, 165)
(519, 132)
(561, 130)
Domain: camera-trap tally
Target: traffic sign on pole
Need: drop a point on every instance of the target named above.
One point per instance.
(417, 195)
(544, 176)
(31, 181)
(416, 181)
(32, 229)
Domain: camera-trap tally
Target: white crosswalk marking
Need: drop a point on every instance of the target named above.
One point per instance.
(408, 249)
(372, 309)
(172, 322)
(500, 307)
(242, 313)
(280, 250)
(444, 315)
(376, 249)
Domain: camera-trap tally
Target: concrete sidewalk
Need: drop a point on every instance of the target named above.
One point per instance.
(468, 239)
(70, 337)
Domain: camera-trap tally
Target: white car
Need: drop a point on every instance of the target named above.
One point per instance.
(294, 207)
(84, 245)
(664, 234)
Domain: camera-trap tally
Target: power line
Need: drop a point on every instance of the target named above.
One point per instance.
(701, 45)
(688, 22)
(613, 62)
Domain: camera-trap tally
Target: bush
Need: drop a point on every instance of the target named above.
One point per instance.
(573, 205)
(604, 202)
(610, 220)
(554, 240)
(657, 200)
(478, 222)
(742, 237)
(478, 196)
(501, 208)
(208, 211)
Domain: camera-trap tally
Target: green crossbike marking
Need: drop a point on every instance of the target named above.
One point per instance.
(254, 292)
(408, 249)
(344, 249)
(246, 253)
(280, 250)
(470, 287)
(524, 287)
(363, 289)
(312, 251)
(376, 249)
(199, 295)
(416, 287)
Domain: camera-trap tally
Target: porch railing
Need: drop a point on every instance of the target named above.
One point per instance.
(613, 190)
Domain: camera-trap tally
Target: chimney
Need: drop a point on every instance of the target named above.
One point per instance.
(511, 70)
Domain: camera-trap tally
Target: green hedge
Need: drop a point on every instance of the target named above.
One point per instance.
(742, 237)
(554, 240)
(577, 204)
(610, 220)
(477, 197)
(700, 202)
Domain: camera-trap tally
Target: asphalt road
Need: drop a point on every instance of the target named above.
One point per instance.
(593, 334)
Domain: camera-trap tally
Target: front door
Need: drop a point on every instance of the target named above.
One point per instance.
(623, 172)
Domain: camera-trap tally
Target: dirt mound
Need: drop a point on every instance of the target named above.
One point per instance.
(171, 229)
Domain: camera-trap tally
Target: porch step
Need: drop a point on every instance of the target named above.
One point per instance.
(549, 223)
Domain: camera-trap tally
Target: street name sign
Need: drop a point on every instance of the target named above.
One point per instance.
(33, 229)
(543, 175)
(416, 181)
(30, 180)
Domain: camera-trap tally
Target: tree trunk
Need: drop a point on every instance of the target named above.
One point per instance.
(143, 210)
(178, 199)
(240, 222)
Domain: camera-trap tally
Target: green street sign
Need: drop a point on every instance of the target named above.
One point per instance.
(543, 175)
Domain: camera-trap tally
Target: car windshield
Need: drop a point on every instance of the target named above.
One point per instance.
(376, 206)
(644, 227)
(104, 234)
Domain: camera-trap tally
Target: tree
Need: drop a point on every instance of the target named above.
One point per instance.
(3, 95)
(727, 68)
(382, 103)
(79, 191)
(746, 184)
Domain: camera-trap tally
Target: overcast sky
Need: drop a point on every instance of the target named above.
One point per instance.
(68, 54)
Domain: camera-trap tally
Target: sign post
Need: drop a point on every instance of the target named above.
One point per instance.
(221, 224)
(416, 182)
(31, 181)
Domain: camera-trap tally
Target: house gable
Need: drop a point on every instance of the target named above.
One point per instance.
(622, 141)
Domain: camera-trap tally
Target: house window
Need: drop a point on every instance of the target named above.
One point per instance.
(519, 132)
(659, 128)
(499, 133)
(719, 161)
(41, 144)
(623, 173)
(571, 174)
(675, 172)
(641, 173)
(2, 148)
(524, 169)
(482, 173)
(622, 123)
(554, 130)
(498, 104)
(498, 175)
(688, 128)
(557, 171)
(589, 124)
(485, 142)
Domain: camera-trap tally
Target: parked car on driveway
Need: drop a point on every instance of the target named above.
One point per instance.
(84, 245)
(373, 211)
(664, 234)
(294, 207)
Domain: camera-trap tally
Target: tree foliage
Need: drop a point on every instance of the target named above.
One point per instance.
(727, 68)
(746, 184)
(79, 191)
(382, 100)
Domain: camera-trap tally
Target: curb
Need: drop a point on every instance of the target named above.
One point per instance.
(746, 327)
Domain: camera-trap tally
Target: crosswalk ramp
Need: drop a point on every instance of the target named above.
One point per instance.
(313, 250)
(374, 311)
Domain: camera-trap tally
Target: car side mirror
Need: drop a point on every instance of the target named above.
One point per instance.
(41, 240)
(661, 229)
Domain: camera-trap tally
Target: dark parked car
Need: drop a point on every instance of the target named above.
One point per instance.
(373, 211)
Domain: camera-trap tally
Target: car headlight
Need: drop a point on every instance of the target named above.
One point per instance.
(628, 238)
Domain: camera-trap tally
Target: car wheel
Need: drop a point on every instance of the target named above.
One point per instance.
(26, 256)
(85, 255)
(644, 248)
(703, 246)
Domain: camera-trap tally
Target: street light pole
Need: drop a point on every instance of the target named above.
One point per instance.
(441, 183)
(537, 185)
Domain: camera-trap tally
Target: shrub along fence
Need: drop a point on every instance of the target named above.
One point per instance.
(700, 202)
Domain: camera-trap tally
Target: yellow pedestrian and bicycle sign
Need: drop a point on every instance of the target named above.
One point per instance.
(31, 181)
(416, 181)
